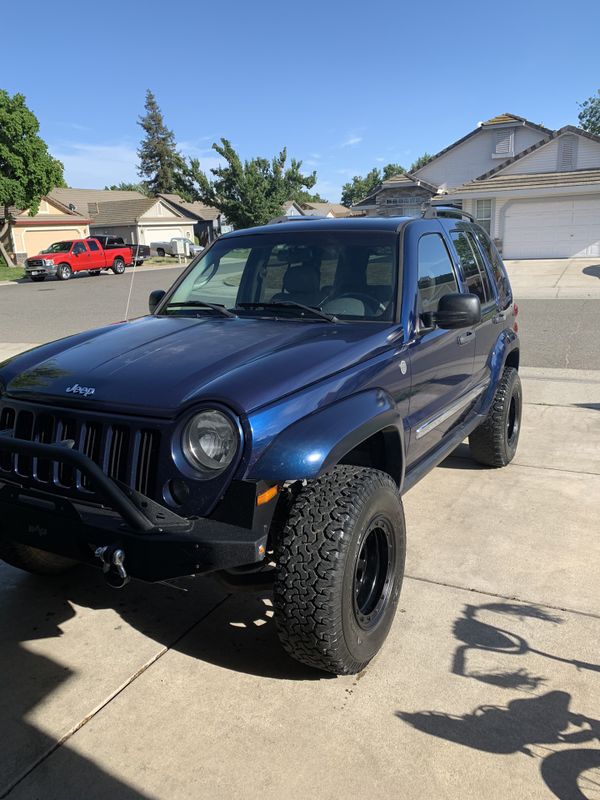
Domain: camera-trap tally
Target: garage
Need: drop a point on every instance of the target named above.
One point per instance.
(163, 234)
(552, 228)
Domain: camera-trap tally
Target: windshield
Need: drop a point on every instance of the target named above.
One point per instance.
(58, 247)
(346, 276)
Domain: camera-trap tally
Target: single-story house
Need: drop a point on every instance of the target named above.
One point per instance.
(537, 191)
(324, 210)
(292, 209)
(138, 219)
(54, 221)
(401, 195)
(209, 222)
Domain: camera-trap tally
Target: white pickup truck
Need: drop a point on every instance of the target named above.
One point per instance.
(170, 248)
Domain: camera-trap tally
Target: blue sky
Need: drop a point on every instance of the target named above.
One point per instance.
(344, 85)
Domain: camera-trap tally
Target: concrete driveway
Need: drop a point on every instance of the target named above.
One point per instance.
(489, 685)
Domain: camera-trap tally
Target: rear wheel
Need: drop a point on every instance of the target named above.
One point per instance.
(64, 272)
(118, 266)
(494, 442)
(160, 252)
(37, 278)
(33, 560)
(340, 565)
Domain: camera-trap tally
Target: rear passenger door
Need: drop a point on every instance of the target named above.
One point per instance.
(477, 281)
(441, 360)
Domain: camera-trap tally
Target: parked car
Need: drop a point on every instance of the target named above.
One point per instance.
(139, 252)
(62, 259)
(170, 248)
(353, 356)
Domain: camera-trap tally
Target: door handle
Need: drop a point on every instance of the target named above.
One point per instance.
(498, 318)
(465, 338)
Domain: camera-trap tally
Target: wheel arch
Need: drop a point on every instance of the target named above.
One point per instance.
(362, 430)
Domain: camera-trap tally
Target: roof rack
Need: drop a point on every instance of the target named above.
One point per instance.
(432, 212)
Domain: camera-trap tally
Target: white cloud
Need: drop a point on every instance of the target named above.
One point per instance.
(352, 140)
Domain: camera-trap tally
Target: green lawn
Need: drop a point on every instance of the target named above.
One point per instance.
(10, 273)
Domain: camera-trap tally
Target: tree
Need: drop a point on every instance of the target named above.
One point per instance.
(160, 162)
(249, 192)
(360, 187)
(420, 161)
(124, 186)
(589, 115)
(27, 170)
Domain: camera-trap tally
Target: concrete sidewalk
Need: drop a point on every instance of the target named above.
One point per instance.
(575, 279)
(489, 686)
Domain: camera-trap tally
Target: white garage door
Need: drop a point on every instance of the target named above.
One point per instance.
(162, 234)
(552, 228)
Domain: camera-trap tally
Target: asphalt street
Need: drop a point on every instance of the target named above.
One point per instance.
(554, 333)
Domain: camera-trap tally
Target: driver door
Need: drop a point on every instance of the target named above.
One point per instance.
(441, 360)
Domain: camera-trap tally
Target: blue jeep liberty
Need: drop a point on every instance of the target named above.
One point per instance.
(263, 422)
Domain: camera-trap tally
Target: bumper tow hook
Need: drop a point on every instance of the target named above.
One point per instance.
(113, 565)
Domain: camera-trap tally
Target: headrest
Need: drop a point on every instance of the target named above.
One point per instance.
(301, 280)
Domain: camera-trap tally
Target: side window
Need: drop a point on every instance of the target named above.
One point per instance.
(435, 272)
(471, 262)
(92, 245)
(78, 248)
(498, 269)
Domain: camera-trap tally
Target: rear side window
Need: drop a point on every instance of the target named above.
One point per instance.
(92, 245)
(471, 262)
(498, 269)
(435, 272)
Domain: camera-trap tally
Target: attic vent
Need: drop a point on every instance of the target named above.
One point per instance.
(567, 153)
(504, 143)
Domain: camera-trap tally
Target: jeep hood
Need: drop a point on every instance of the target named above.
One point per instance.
(157, 365)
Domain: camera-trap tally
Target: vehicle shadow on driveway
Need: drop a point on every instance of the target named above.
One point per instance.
(593, 270)
(523, 722)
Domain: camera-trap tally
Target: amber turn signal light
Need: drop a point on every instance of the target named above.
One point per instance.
(269, 494)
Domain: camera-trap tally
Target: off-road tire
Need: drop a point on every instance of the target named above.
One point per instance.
(33, 560)
(118, 266)
(37, 278)
(494, 442)
(317, 557)
(64, 272)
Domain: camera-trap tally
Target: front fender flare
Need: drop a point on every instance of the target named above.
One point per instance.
(315, 443)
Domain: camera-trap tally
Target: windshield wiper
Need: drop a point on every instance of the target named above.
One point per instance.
(292, 304)
(201, 304)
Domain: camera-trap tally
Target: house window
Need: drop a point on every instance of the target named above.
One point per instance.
(483, 214)
(567, 153)
(505, 144)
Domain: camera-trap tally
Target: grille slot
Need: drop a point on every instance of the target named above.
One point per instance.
(126, 453)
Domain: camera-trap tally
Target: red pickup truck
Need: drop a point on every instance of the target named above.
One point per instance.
(62, 259)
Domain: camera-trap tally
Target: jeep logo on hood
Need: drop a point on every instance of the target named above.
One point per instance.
(86, 391)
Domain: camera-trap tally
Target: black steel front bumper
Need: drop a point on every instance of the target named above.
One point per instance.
(158, 544)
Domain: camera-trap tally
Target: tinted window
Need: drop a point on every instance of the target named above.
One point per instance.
(79, 247)
(92, 245)
(471, 262)
(498, 270)
(435, 272)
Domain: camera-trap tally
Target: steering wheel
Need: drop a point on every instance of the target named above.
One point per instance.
(372, 305)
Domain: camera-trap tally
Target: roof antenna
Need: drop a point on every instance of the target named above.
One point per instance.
(135, 260)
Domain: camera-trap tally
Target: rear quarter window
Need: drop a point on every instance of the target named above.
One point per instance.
(498, 269)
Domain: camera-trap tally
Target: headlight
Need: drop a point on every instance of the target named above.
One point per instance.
(210, 441)
(48, 262)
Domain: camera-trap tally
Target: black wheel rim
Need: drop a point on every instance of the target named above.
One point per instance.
(513, 421)
(373, 573)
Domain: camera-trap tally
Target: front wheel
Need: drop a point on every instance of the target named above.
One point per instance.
(119, 266)
(64, 272)
(494, 442)
(340, 565)
(33, 560)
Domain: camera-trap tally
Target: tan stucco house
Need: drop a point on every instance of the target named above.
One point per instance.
(53, 222)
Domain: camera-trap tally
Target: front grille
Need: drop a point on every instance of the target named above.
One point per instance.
(125, 452)
(34, 262)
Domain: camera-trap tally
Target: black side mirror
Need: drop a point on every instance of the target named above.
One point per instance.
(155, 297)
(458, 311)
